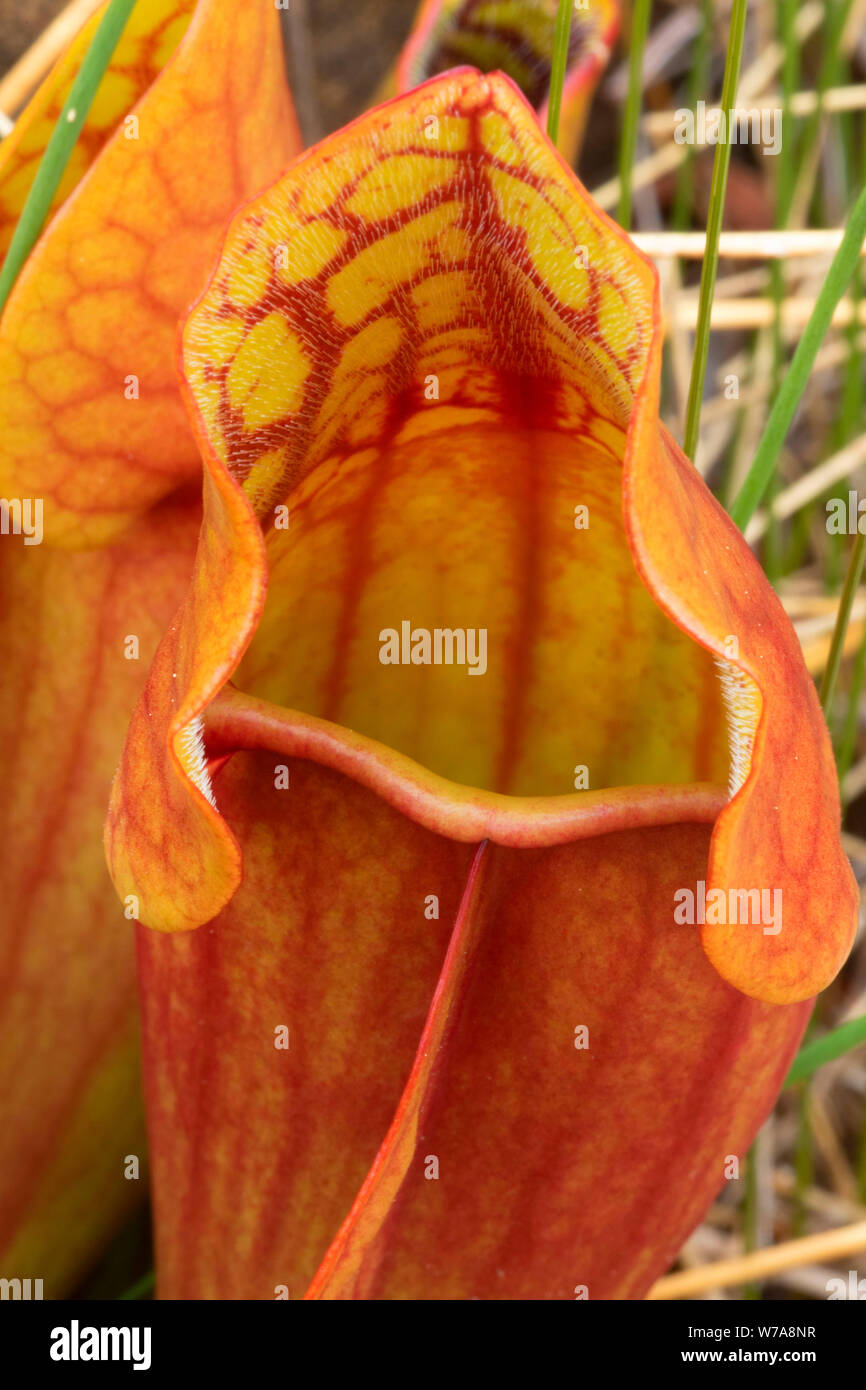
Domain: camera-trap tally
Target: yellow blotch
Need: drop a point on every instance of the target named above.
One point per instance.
(266, 379)
(17, 183)
(438, 298)
(114, 97)
(456, 345)
(517, 203)
(147, 19)
(617, 323)
(171, 37)
(452, 135)
(602, 383)
(556, 254)
(66, 528)
(323, 180)
(31, 139)
(265, 476)
(435, 418)
(358, 288)
(497, 137)
(600, 242)
(249, 276)
(453, 244)
(419, 126)
(560, 264)
(399, 182)
(224, 337)
(308, 250)
(611, 436)
(373, 346)
(368, 280)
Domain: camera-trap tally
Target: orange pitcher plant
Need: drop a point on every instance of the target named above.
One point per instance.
(514, 37)
(100, 480)
(478, 814)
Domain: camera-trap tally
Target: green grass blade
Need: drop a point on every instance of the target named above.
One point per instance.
(827, 1049)
(848, 739)
(140, 1288)
(843, 616)
(793, 383)
(698, 83)
(561, 36)
(714, 228)
(631, 116)
(62, 142)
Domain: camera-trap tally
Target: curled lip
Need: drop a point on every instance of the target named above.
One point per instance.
(235, 721)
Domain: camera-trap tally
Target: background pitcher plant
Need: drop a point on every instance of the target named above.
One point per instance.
(94, 438)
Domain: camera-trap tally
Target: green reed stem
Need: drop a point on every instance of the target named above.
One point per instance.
(631, 115)
(559, 63)
(714, 227)
(827, 1049)
(697, 85)
(63, 139)
(793, 383)
(846, 603)
(141, 1288)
